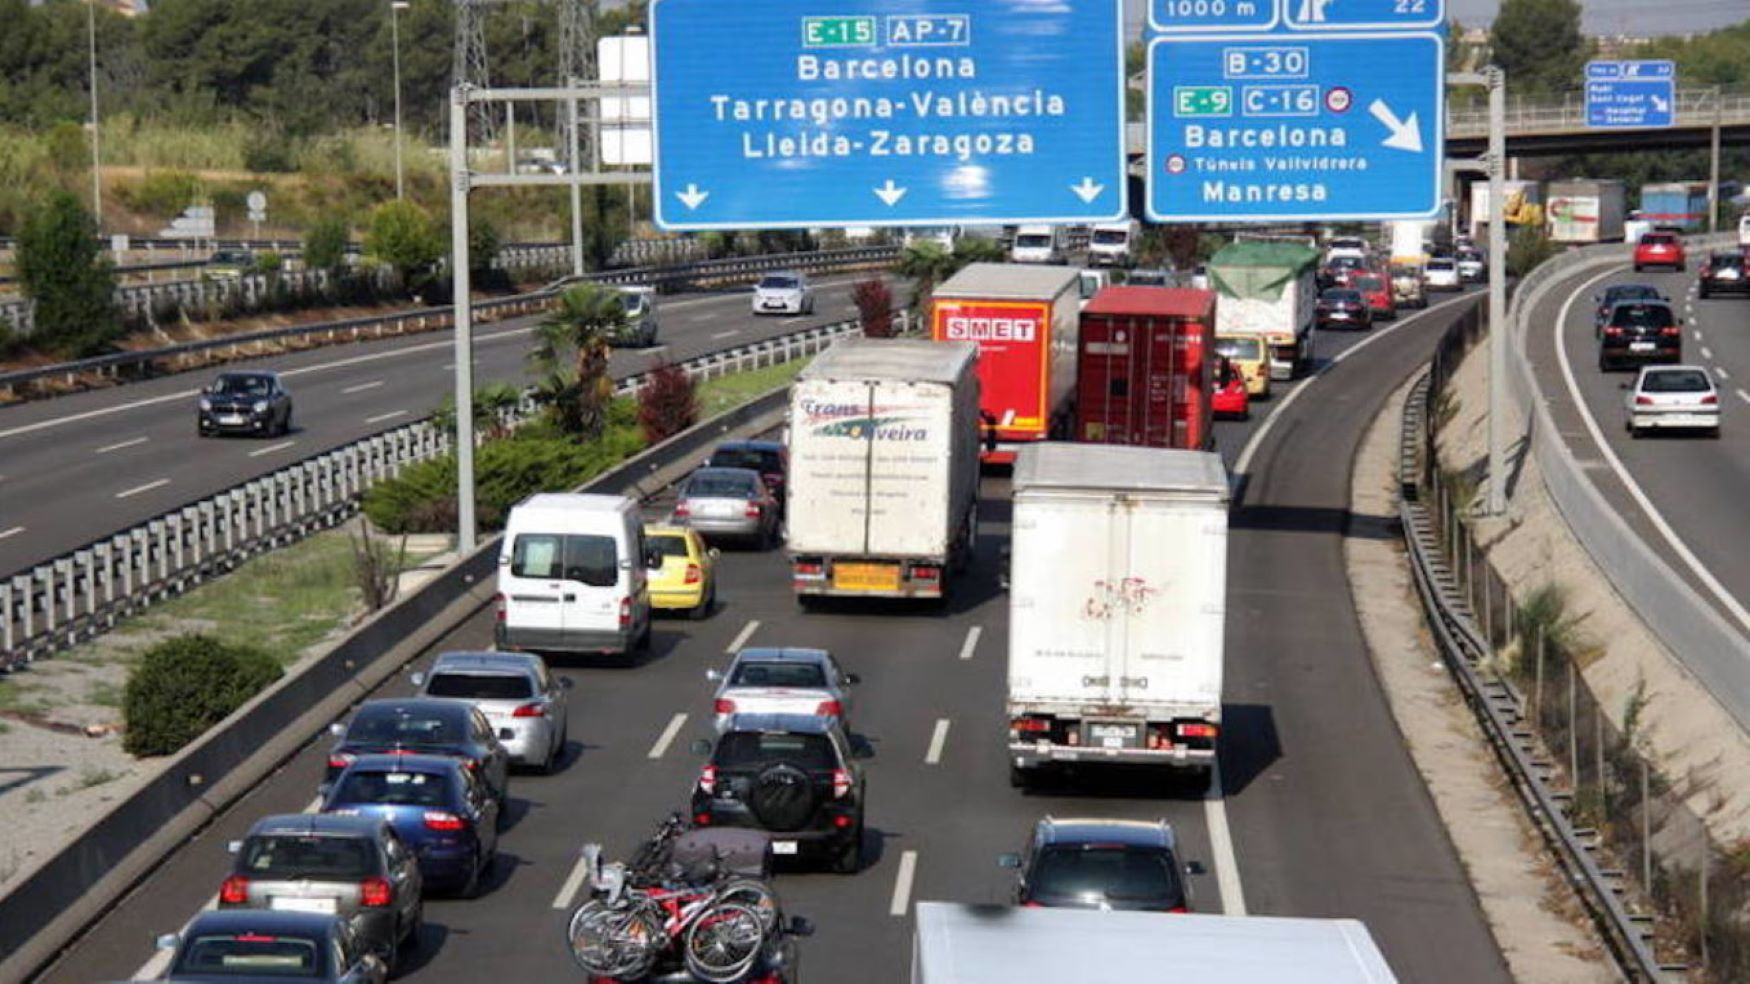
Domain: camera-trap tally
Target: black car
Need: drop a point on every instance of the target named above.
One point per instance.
(1725, 272)
(1640, 331)
(766, 457)
(1102, 864)
(792, 775)
(1342, 307)
(422, 726)
(245, 403)
(246, 946)
(1616, 294)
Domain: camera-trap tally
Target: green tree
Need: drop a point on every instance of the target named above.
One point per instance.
(62, 269)
(325, 243)
(1539, 44)
(483, 247)
(928, 263)
(571, 355)
(404, 237)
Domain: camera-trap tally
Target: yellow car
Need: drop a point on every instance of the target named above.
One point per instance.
(1251, 357)
(688, 579)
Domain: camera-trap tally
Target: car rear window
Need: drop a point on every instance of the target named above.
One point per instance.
(1134, 876)
(390, 726)
(765, 461)
(749, 674)
(1658, 239)
(1439, 263)
(755, 750)
(294, 856)
(1641, 316)
(394, 788)
(1342, 296)
(1676, 381)
(1368, 283)
(1630, 292)
(1726, 260)
(250, 954)
(480, 686)
(719, 486)
(593, 560)
(668, 544)
(1239, 348)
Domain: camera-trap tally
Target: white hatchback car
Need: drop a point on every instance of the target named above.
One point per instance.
(1677, 397)
(786, 292)
(1441, 273)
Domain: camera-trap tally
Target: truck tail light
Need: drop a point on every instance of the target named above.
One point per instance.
(926, 573)
(1160, 737)
(1030, 725)
(374, 893)
(234, 890)
(694, 574)
(1194, 729)
(841, 783)
(708, 780)
(809, 569)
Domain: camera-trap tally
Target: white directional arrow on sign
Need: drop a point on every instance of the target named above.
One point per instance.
(1087, 191)
(890, 193)
(692, 198)
(1406, 134)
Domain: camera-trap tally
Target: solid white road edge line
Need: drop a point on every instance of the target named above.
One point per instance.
(107, 448)
(1221, 846)
(19, 529)
(667, 737)
(379, 418)
(741, 637)
(149, 486)
(731, 333)
(971, 643)
(271, 448)
(908, 867)
(938, 738)
(1676, 544)
(360, 388)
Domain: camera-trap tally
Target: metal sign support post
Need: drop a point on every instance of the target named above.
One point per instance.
(576, 167)
(1494, 164)
(1713, 176)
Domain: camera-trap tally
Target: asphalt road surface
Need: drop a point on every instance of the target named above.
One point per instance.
(1323, 812)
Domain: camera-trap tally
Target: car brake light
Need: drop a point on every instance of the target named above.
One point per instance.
(626, 612)
(841, 822)
(1030, 724)
(1613, 331)
(1179, 910)
(374, 893)
(255, 938)
(234, 890)
(1197, 731)
(1710, 399)
(841, 783)
(1643, 401)
(340, 760)
(682, 510)
(708, 780)
(1671, 330)
(723, 706)
(534, 710)
(441, 820)
(694, 574)
(829, 708)
(702, 819)
(752, 511)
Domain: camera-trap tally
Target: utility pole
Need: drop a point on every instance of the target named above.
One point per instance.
(1497, 81)
(464, 318)
(96, 153)
(1713, 177)
(395, 8)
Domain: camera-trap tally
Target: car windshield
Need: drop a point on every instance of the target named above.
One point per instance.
(1239, 348)
(589, 559)
(719, 486)
(1341, 297)
(479, 686)
(1676, 381)
(250, 955)
(391, 726)
(1641, 316)
(394, 788)
(1133, 875)
(295, 856)
(668, 544)
(633, 304)
(1033, 240)
(752, 674)
(1111, 237)
(754, 750)
(754, 458)
(775, 281)
(1147, 278)
(237, 385)
(231, 257)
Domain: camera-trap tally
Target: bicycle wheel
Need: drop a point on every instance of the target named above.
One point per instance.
(618, 942)
(756, 895)
(722, 942)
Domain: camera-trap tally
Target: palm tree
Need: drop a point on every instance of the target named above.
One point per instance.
(928, 263)
(571, 354)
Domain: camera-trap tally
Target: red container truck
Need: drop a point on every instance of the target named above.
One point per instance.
(1145, 373)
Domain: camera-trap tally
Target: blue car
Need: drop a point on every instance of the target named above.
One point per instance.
(437, 807)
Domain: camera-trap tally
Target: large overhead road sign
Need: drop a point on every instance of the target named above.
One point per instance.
(1295, 127)
(784, 113)
(1631, 94)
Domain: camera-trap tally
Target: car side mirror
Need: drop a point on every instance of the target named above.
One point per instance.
(566, 683)
(337, 729)
(374, 963)
(714, 675)
(653, 559)
(1009, 861)
(861, 749)
(167, 941)
(713, 552)
(1195, 868)
(1624, 386)
(799, 926)
(701, 746)
(233, 846)
(853, 679)
(418, 679)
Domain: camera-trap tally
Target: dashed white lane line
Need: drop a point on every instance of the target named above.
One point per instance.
(1698, 334)
(667, 737)
(1221, 846)
(938, 738)
(19, 529)
(741, 637)
(107, 448)
(1723, 374)
(1743, 396)
(731, 333)
(271, 448)
(1707, 353)
(971, 643)
(149, 486)
(379, 418)
(908, 869)
(360, 388)
(573, 882)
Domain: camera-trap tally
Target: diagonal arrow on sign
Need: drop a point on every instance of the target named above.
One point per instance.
(889, 193)
(1406, 134)
(692, 198)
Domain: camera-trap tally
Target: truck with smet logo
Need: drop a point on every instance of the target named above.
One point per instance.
(883, 483)
(1117, 606)
(1023, 318)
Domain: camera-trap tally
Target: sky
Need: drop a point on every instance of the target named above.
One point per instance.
(1635, 18)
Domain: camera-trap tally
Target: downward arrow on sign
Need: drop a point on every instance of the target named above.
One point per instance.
(1405, 133)
(1087, 191)
(890, 193)
(692, 198)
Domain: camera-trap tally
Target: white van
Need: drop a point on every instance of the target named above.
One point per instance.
(1038, 244)
(1113, 244)
(1744, 229)
(572, 576)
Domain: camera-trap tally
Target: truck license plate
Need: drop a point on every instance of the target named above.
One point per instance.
(1112, 735)
(866, 577)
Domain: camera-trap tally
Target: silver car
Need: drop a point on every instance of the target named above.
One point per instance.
(783, 681)
(525, 704)
(786, 292)
(728, 502)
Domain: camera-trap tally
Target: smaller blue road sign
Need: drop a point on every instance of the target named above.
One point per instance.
(1236, 16)
(1631, 94)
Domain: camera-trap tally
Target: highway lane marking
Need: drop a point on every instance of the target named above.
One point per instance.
(1635, 492)
(731, 333)
(107, 448)
(971, 642)
(360, 388)
(1743, 396)
(938, 738)
(908, 869)
(19, 529)
(379, 418)
(149, 486)
(573, 882)
(1697, 334)
(1221, 846)
(271, 448)
(1706, 352)
(1722, 373)
(741, 637)
(667, 737)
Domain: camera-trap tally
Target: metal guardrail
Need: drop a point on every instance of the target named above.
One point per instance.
(80, 594)
(1696, 107)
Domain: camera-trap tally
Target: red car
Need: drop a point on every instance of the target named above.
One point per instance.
(1375, 288)
(1660, 249)
(1230, 397)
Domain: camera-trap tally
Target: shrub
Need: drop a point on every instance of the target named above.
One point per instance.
(162, 194)
(874, 300)
(269, 151)
(325, 243)
(185, 685)
(1527, 248)
(668, 403)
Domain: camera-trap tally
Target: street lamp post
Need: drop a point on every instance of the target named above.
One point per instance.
(395, 8)
(96, 155)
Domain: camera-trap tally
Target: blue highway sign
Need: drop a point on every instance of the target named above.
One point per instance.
(1298, 127)
(1364, 15)
(1631, 94)
(783, 113)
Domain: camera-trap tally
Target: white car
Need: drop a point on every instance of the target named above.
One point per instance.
(783, 293)
(1472, 268)
(1347, 246)
(1441, 273)
(1678, 397)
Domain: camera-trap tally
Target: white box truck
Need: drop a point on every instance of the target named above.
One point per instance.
(1117, 601)
(1586, 211)
(1269, 289)
(1113, 244)
(883, 483)
(995, 944)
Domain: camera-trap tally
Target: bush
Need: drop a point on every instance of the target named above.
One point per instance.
(874, 302)
(162, 194)
(668, 403)
(270, 152)
(185, 685)
(1527, 248)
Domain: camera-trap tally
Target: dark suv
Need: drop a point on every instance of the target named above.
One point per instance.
(792, 775)
(1102, 864)
(1639, 331)
(1725, 272)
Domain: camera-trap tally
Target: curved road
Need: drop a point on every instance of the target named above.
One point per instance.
(1325, 814)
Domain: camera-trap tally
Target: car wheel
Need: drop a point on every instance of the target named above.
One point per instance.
(1019, 778)
(703, 608)
(1633, 431)
(552, 759)
(1703, 292)
(410, 940)
(1637, 268)
(850, 860)
(1713, 433)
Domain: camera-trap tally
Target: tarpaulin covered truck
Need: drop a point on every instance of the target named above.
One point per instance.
(1675, 205)
(1145, 368)
(1268, 289)
(1585, 211)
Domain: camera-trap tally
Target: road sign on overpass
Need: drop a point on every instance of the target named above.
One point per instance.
(786, 114)
(1293, 127)
(1631, 94)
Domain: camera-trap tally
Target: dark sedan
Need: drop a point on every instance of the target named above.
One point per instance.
(254, 945)
(245, 403)
(416, 726)
(1616, 294)
(1725, 272)
(1343, 307)
(1102, 864)
(437, 807)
